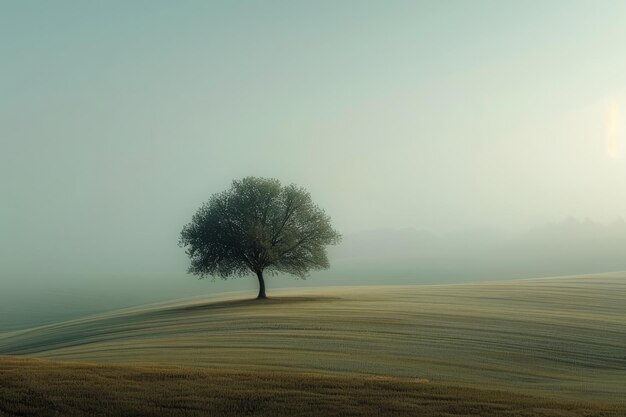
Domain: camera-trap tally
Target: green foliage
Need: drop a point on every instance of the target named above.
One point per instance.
(258, 225)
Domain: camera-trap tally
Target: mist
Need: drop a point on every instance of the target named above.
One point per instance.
(449, 142)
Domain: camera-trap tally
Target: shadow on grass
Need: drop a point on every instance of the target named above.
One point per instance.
(243, 303)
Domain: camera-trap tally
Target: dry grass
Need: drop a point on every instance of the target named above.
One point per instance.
(563, 339)
(31, 387)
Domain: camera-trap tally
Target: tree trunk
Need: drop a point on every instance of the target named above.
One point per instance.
(261, 295)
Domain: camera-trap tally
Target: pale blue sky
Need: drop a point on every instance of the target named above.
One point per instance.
(117, 119)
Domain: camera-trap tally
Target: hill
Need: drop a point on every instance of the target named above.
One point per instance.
(558, 338)
(30, 387)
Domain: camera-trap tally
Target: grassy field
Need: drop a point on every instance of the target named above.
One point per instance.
(560, 338)
(45, 388)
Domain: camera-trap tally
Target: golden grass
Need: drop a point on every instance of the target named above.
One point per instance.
(563, 338)
(30, 387)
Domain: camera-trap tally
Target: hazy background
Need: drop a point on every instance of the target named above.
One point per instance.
(449, 141)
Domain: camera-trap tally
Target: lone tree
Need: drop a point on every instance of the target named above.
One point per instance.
(256, 226)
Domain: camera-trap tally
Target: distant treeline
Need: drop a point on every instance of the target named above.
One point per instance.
(409, 255)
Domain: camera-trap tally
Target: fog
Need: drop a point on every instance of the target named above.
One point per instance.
(448, 141)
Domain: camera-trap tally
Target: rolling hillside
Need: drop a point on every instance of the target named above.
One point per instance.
(559, 337)
(32, 387)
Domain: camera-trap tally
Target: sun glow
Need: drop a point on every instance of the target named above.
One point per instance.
(613, 131)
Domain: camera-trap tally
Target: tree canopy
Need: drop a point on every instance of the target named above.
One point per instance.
(255, 226)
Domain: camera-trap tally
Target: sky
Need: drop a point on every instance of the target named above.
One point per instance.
(118, 119)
